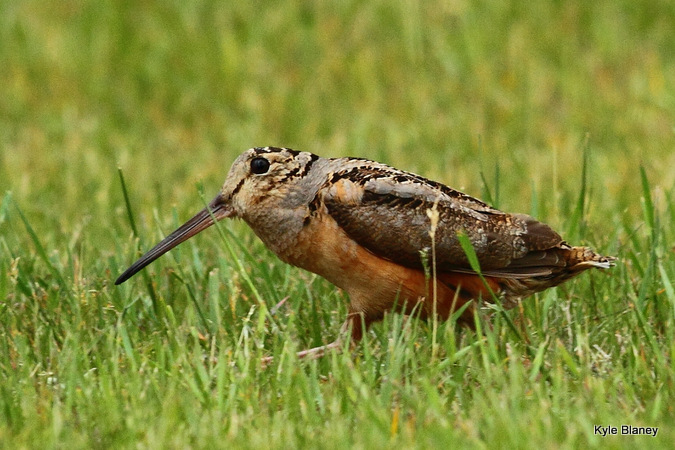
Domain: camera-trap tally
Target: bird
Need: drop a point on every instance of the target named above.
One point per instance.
(374, 231)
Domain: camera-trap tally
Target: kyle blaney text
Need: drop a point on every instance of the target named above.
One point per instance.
(624, 430)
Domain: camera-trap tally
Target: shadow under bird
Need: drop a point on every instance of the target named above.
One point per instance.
(366, 227)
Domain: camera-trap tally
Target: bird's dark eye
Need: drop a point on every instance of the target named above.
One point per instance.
(259, 166)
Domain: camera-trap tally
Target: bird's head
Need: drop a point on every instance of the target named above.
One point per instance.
(264, 176)
(259, 177)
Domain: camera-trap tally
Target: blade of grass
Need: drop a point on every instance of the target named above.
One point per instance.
(130, 215)
(127, 202)
(497, 182)
(43, 253)
(647, 202)
(475, 266)
(568, 359)
(4, 206)
(668, 287)
(539, 359)
(487, 194)
(193, 298)
(577, 219)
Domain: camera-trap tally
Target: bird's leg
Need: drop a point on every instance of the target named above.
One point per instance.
(318, 352)
(355, 322)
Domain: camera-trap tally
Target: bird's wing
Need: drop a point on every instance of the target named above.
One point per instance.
(389, 213)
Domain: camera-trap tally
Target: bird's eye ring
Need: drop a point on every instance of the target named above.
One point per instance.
(259, 166)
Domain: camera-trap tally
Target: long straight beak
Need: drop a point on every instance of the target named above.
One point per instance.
(201, 221)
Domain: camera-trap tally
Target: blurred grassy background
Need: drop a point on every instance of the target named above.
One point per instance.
(483, 96)
(173, 92)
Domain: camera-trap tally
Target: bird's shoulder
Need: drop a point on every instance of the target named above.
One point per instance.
(355, 181)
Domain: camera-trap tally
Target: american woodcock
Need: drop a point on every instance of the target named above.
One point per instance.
(365, 227)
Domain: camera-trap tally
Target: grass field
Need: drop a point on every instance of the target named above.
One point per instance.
(563, 110)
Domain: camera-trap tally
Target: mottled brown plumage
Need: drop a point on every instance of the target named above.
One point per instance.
(366, 227)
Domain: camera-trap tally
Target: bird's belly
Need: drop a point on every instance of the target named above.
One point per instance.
(373, 283)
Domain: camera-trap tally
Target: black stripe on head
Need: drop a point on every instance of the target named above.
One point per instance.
(295, 172)
(263, 150)
(292, 173)
(295, 153)
(237, 188)
(308, 166)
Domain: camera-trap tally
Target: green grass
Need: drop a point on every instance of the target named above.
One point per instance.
(564, 110)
